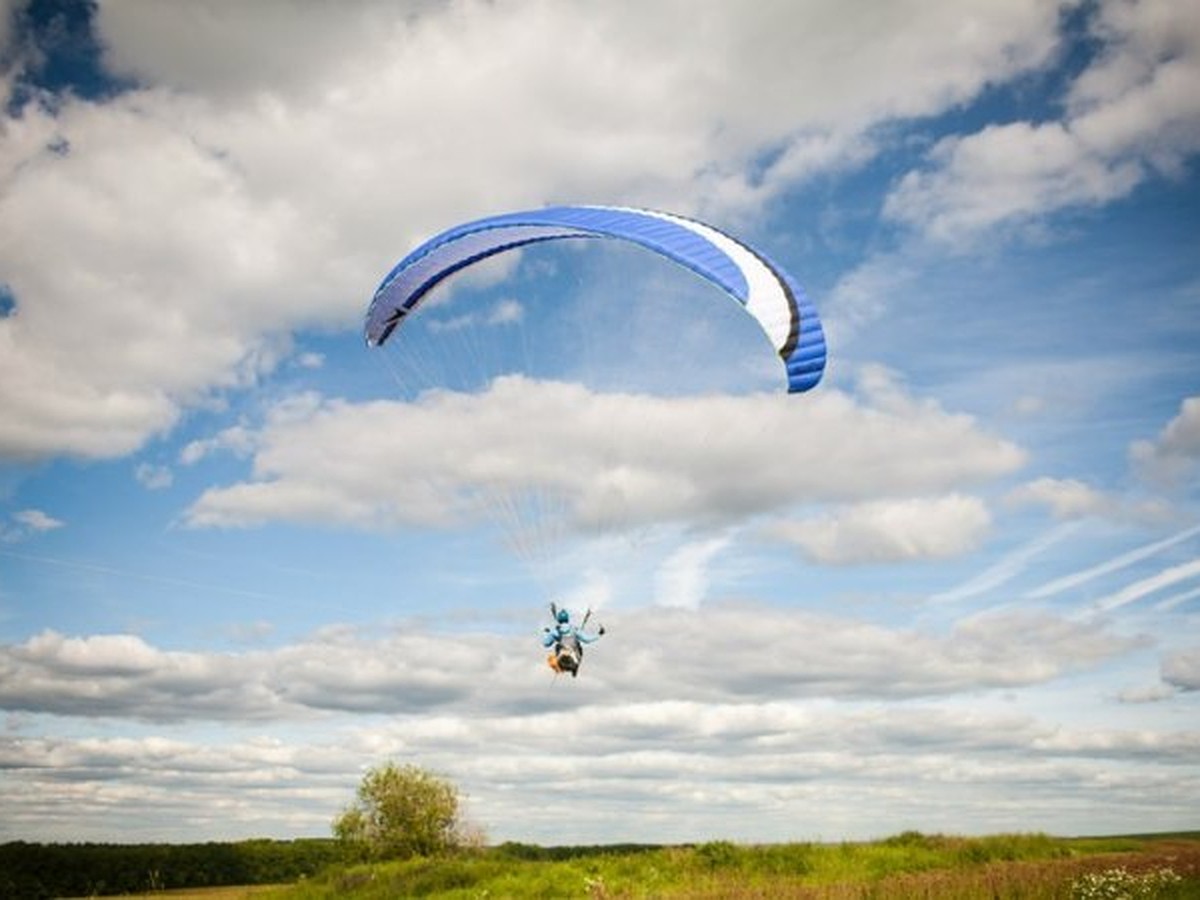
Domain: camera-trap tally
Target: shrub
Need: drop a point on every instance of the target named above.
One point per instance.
(719, 855)
(400, 812)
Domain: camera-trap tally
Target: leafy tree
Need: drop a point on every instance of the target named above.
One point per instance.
(400, 812)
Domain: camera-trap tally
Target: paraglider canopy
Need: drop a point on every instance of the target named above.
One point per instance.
(766, 291)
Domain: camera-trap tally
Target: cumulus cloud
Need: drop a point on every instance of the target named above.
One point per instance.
(1154, 693)
(671, 762)
(684, 749)
(1124, 744)
(1067, 498)
(1134, 111)
(1182, 669)
(310, 360)
(615, 67)
(860, 296)
(159, 782)
(720, 654)
(152, 477)
(1070, 498)
(36, 520)
(27, 522)
(237, 439)
(1176, 450)
(682, 581)
(505, 312)
(124, 676)
(1005, 173)
(605, 460)
(666, 105)
(815, 655)
(145, 334)
(891, 530)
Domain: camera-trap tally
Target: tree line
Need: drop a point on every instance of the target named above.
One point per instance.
(33, 870)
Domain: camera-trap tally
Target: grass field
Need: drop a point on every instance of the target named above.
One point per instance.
(903, 867)
(258, 892)
(910, 865)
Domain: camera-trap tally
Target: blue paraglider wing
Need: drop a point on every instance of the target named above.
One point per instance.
(767, 292)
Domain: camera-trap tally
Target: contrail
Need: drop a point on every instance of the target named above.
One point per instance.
(1007, 568)
(1176, 600)
(139, 576)
(1140, 589)
(1119, 562)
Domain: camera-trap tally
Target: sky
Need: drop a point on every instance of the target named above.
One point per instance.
(244, 557)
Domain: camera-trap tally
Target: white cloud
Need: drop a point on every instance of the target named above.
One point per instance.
(124, 676)
(1067, 498)
(1182, 669)
(862, 296)
(703, 725)
(94, 656)
(310, 360)
(1140, 95)
(662, 771)
(36, 520)
(1125, 743)
(145, 334)
(275, 47)
(1005, 173)
(891, 530)
(1176, 450)
(604, 460)
(593, 591)
(1153, 693)
(1133, 111)
(451, 50)
(237, 439)
(719, 653)
(1070, 498)
(683, 579)
(504, 312)
(26, 522)
(153, 477)
(170, 780)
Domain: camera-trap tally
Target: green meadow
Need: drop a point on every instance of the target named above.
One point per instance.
(908, 865)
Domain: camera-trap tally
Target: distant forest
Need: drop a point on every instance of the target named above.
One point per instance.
(82, 870)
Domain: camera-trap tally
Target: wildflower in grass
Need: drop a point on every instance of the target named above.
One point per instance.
(1121, 884)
